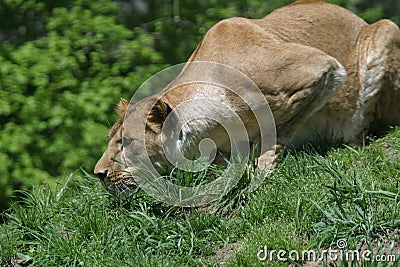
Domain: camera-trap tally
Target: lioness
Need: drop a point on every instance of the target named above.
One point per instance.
(325, 73)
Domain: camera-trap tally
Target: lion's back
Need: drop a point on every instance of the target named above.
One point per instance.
(318, 24)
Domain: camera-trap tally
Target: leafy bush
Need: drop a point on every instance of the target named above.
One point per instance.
(57, 92)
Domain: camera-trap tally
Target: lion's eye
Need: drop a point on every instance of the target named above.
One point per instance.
(119, 141)
(126, 141)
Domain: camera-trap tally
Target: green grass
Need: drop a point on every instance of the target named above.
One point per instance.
(308, 203)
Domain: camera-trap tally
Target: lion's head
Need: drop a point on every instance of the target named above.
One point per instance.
(113, 168)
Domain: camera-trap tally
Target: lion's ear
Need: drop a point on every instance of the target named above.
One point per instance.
(157, 116)
(122, 106)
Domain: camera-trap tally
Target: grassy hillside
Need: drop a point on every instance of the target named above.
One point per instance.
(313, 200)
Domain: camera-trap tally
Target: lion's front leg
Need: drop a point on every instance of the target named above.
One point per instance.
(269, 159)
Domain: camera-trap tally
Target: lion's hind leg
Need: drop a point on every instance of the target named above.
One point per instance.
(379, 72)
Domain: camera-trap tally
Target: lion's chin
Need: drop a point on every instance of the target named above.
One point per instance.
(122, 188)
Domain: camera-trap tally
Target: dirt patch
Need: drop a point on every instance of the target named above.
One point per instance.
(223, 254)
(391, 152)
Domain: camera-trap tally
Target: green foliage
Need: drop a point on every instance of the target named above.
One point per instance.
(57, 92)
(74, 233)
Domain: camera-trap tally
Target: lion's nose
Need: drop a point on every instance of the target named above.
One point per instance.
(99, 170)
(101, 175)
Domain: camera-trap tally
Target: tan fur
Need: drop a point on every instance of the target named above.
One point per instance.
(324, 71)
